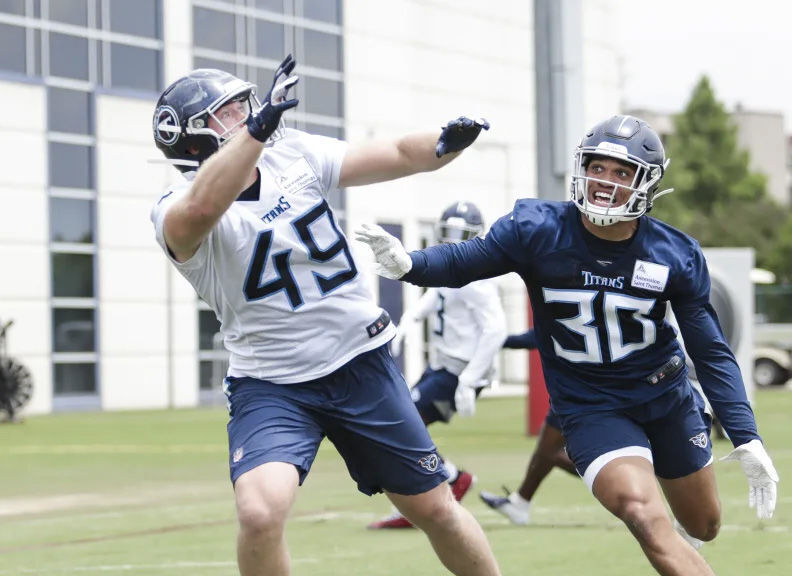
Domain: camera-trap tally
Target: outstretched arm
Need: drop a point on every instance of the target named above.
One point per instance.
(224, 175)
(382, 161)
(720, 379)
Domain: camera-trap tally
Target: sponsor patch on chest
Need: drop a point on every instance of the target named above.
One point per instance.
(649, 276)
(296, 177)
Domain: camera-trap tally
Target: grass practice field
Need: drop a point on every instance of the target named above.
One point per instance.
(148, 493)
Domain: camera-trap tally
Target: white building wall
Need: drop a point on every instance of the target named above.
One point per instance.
(410, 65)
(24, 234)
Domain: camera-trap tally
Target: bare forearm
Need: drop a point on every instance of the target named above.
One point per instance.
(383, 161)
(418, 151)
(217, 185)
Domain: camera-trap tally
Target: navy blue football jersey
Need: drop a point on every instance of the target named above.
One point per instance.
(600, 307)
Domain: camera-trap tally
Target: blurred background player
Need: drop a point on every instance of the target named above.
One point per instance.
(548, 454)
(467, 328)
(251, 229)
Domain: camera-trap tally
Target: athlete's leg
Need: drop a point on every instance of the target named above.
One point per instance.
(626, 487)
(455, 535)
(548, 454)
(273, 439)
(264, 496)
(683, 464)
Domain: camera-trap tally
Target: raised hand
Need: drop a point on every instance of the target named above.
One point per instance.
(263, 122)
(459, 134)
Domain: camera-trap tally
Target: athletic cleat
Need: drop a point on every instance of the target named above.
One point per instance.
(503, 505)
(395, 520)
(462, 484)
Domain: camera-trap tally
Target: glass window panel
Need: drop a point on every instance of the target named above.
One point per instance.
(229, 67)
(68, 56)
(37, 52)
(214, 30)
(208, 326)
(138, 17)
(13, 7)
(70, 165)
(324, 10)
(206, 376)
(71, 220)
(75, 379)
(323, 96)
(12, 48)
(69, 12)
(69, 111)
(270, 41)
(73, 330)
(72, 275)
(322, 50)
(133, 67)
(271, 5)
(262, 78)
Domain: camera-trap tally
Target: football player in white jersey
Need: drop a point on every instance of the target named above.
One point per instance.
(467, 329)
(252, 231)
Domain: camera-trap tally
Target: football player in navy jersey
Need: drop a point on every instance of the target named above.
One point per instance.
(600, 273)
(251, 229)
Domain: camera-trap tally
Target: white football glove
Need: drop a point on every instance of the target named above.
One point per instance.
(396, 343)
(761, 474)
(392, 259)
(465, 396)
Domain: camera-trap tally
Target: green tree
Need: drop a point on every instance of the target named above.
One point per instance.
(717, 199)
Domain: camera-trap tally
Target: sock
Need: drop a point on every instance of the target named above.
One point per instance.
(453, 471)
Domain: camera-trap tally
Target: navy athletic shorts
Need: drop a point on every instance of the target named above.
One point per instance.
(364, 408)
(672, 431)
(434, 395)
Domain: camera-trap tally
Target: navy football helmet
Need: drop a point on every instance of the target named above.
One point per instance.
(181, 119)
(629, 140)
(460, 221)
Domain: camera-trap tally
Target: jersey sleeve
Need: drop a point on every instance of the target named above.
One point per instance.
(716, 367)
(484, 302)
(198, 268)
(455, 265)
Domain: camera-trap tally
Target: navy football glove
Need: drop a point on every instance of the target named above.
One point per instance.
(459, 134)
(263, 122)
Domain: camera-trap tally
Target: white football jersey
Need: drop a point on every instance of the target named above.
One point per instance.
(278, 272)
(467, 328)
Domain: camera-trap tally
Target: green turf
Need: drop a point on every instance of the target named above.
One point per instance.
(147, 493)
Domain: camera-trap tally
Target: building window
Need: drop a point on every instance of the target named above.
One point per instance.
(12, 49)
(71, 220)
(72, 275)
(75, 378)
(69, 12)
(70, 165)
(68, 56)
(212, 356)
(135, 17)
(214, 30)
(134, 67)
(69, 111)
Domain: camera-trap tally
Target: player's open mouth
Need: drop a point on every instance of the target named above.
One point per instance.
(602, 198)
